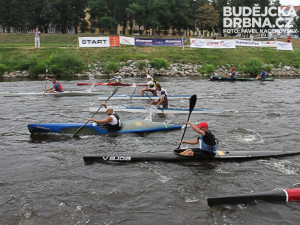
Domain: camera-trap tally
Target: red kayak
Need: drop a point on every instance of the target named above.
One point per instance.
(109, 84)
(285, 195)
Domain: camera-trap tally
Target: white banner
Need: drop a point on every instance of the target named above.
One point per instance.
(271, 44)
(208, 43)
(126, 40)
(94, 42)
(248, 43)
(284, 46)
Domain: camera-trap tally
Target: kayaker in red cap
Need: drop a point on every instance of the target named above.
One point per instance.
(207, 140)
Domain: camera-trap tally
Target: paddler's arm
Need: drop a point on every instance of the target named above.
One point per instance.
(161, 100)
(195, 128)
(108, 119)
(193, 142)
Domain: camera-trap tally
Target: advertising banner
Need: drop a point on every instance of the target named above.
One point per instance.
(158, 42)
(248, 43)
(271, 44)
(284, 46)
(95, 42)
(114, 41)
(126, 40)
(208, 43)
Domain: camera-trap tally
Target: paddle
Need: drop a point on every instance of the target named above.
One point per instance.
(153, 100)
(193, 101)
(80, 128)
(134, 84)
(46, 76)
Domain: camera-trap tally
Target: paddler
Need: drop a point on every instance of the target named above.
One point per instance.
(207, 140)
(262, 74)
(110, 123)
(56, 86)
(163, 98)
(150, 84)
(117, 77)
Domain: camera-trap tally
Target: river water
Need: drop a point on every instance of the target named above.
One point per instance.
(45, 181)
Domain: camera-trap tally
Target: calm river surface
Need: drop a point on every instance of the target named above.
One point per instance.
(43, 180)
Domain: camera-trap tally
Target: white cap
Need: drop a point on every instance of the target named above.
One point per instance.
(149, 77)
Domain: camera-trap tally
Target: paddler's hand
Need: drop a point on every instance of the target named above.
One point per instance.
(104, 104)
(91, 119)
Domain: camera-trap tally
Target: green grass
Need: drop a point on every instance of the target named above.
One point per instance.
(16, 47)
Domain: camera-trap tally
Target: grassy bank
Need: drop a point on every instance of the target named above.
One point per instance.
(15, 48)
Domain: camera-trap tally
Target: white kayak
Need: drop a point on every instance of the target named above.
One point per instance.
(125, 108)
(57, 94)
(139, 97)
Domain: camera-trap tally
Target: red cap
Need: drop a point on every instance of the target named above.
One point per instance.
(203, 124)
(232, 68)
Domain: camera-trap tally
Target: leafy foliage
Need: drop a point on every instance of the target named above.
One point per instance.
(206, 69)
(158, 63)
(141, 64)
(253, 66)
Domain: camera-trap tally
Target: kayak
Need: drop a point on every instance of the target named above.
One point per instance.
(139, 97)
(57, 94)
(222, 78)
(108, 84)
(129, 126)
(284, 195)
(125, 108)
(175, 157)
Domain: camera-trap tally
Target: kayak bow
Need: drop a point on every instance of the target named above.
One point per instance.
(285, 195)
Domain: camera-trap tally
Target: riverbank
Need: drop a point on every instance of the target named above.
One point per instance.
(16, 48)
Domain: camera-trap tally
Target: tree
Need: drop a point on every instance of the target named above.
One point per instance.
(297, 22)
(207, 18)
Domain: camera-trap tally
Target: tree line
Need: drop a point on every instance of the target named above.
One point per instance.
(107, 14)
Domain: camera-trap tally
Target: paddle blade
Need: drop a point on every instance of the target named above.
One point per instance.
(193, 101)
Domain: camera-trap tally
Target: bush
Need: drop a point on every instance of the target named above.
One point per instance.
(3, 68)
(111, 66)
(207, 69)
(268, 68)
(158, 63)
(39, 68)
(253, 66)
(65, 63)
(141, 65)
(28, 62)
(141, 56)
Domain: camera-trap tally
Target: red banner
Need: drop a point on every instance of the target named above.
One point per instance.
(114, 41)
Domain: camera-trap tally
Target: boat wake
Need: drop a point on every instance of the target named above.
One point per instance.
(246, 136)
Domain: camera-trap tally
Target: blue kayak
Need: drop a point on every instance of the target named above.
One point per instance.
(129, 126)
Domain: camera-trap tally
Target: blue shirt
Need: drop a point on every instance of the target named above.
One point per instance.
(263, 74)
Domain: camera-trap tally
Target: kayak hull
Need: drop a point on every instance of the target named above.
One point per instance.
(105, 84)
(56, 94)
(129, 126)
(139, 97)
(222, 78)
(175, 157)
(124, 108)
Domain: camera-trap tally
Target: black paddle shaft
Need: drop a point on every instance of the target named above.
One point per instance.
(193, 101)
(153, 100)
(80, 128)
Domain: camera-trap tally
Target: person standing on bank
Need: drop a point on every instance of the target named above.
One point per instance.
(110, 123)
(208, 143)
(37, 38)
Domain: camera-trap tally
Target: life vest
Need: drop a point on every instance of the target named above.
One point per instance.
(59, 89)
(206, 147)
(115, 124)
(161, 93)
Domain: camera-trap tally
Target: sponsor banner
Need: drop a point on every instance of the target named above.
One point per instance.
(114, 41)
(284, 46)
(158, 42)
(93, 42)
(248, 43)
(271, 44)
(208, 43)
(126, 40)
